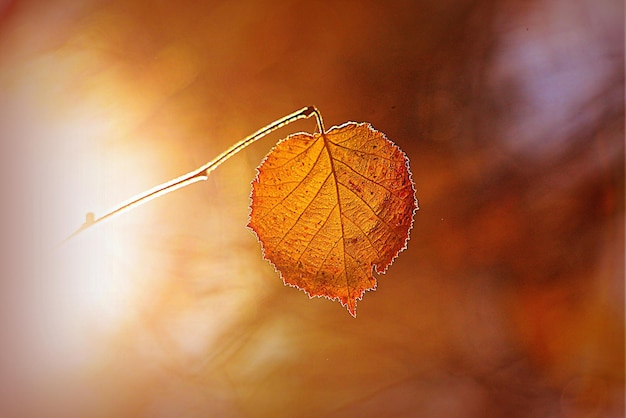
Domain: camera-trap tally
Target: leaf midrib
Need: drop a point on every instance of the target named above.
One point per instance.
(343, 235)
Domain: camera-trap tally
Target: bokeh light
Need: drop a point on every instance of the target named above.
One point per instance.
(509, 300)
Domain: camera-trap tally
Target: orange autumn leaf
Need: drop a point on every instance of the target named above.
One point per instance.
(329, 208)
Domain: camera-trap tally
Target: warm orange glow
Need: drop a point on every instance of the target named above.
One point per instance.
(509, 300)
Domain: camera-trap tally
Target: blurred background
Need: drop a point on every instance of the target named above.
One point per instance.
(508, 302)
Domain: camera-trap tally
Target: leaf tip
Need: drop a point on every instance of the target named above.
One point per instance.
(352, 309)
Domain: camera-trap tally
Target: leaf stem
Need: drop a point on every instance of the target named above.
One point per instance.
(200, 173)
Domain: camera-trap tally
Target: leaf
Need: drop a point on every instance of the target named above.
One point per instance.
(329, 208)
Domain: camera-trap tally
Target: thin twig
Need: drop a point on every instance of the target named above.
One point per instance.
(198, 174)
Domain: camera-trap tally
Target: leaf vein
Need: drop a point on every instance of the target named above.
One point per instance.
(358, 265)
(382, 157)
(391, 192)
(319, 268)
(366, 236)
(370, 208)
(343, 235)
(316, 233)
(299, 184)
(302, 212)
(308, 147)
